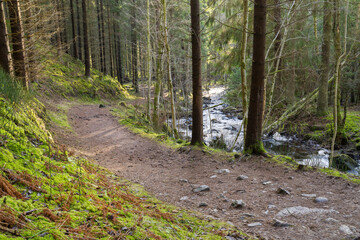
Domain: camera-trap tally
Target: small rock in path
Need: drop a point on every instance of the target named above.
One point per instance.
(238, 204)
(266, 183)
(282, 191)
(321, 200)
(271, 206)
(221, 171)
(203, 204)
(331, 220)
(184, 180)
(202, 188)
(242, 177)
(184, 198)
(213, 176)
(255, 224)
(309, 195)
(102, 106)
(300, 211)
(345, 229)
(278, 223)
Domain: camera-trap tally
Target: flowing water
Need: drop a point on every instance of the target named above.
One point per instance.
(220, 126)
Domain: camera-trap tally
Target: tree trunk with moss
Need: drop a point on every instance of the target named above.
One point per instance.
(323, 102)
(253, 142)
(4, 41)
(17, 42)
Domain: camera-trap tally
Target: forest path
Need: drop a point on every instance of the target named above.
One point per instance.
(171, 175)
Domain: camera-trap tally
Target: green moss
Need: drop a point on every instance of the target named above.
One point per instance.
(317, 136)
(87, 200)
(256, 149)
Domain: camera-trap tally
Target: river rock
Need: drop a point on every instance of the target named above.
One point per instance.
(202, 188)
(221, 171)
(345, 229)
(238, 204)
(278, 223)
(344, 162)
(255, 224)
(321, 200)
(300, 211)
(242, 177)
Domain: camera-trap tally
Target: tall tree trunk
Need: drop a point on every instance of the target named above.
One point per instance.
(134, 48)
(58, 30)
(197, 114)
(4, 41)
(111, 63)
(79, 35)
(64, 38)
(159, 75)
(322, 103)
(73, 28)
(253, 142)
(104, 68)
(149, 58)
(17, 40)
(86, 40)
(100, 36)
(243, 62)
(168, 69)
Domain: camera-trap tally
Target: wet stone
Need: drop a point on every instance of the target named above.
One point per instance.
(202, 188)
(238, 204)
(321, 200)
(242, 177)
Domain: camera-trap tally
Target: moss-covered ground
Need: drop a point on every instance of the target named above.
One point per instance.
(47, 193)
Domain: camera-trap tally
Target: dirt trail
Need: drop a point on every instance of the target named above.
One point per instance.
(171, 175)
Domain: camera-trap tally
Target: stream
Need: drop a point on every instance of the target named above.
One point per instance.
(220, 127)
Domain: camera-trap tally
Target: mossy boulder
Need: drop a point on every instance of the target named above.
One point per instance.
(344, 162)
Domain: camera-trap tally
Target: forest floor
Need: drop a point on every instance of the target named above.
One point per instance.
(171, 175)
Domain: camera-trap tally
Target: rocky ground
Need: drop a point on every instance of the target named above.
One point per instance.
(260, 197)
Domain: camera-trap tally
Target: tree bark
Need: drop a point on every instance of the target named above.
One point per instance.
(86, 40)
(253, 142)
(323, 102)
(79, 31)
(17, 40)
(101, 55)
(197, 114)
(104, 67)
(149, 58)
(4, 41)
(111, 63)
(73, 28)
(134, 48)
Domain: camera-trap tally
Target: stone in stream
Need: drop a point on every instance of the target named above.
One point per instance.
(278, 223)
(238, 204)
(344, 162)
(321, 200)
(202, 188)
(242, 177)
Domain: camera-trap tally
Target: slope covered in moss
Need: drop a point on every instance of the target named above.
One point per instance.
(47, 193)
